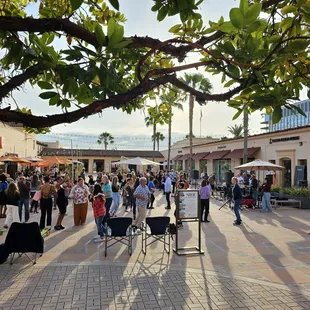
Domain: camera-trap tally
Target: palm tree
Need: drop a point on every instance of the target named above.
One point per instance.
(154, 118)
(171, 99)
(236, 131)
(106, 138)
(187, 136)
(201, 83)
(158, 137)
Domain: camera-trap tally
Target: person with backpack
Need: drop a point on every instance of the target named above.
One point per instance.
(3, 188)
(99, 211)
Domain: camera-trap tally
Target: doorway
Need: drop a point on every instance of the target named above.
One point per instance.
(287, 173)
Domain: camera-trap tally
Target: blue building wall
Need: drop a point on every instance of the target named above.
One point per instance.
(290, 118)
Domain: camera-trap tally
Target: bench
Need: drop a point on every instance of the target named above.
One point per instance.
(291, 202)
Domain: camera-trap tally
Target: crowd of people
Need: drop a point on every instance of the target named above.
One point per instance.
(20, 197)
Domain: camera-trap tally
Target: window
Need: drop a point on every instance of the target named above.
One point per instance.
(272, 161)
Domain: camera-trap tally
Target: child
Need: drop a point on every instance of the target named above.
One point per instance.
(151, 189)
(99, 211)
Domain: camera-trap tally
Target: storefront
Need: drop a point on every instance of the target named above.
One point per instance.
(289, 148)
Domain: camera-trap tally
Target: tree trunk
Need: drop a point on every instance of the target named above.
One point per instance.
(154, 139)
(169, 143)
(158, 144)
(245, 135)
(191, 110)
(105, 144)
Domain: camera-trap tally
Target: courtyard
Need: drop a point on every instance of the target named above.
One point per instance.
(264, 264)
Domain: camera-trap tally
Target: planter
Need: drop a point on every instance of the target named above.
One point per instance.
(305, 201)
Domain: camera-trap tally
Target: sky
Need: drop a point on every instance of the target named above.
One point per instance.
(130, 131)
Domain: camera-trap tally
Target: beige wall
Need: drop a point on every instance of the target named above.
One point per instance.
(294, 150)
(16, 141)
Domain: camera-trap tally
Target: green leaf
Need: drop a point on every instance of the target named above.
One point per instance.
(45, 85)
(75, 4)
(229, 83)
(182, 4)
(289, 9)
(276, 115)
(117, 35)
(286, 23)
(48, 95)
(54, 100)
(297, 46)
(233, 70)
(122, 44)
(244, 6)
(228, 27)
(175, 28)
(254, 26)
(111, 27)
(115, 4)
(73, 87)
(100, 35)
(236, 18)
(252, 13)
(162, 13)
(65, 103)
(237, 114)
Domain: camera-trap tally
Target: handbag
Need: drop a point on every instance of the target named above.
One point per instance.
(37, 196)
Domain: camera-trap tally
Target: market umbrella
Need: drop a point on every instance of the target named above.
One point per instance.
(33, 159)
(14, 159)
(52, 160)
(137, 161)
(261, 165)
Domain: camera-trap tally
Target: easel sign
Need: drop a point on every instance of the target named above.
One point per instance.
(188, 210)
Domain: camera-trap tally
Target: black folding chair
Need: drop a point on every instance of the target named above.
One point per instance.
(159, 230)
(23, 238)
(121, 231)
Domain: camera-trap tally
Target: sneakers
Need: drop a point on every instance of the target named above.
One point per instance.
(237, 223)
(97, 237)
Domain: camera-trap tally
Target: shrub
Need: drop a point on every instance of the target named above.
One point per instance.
(276, 189)
(296, 191)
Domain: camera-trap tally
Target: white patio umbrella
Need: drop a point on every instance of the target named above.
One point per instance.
(33, 159)
(74, 161)
(136, 161)
(261, 165)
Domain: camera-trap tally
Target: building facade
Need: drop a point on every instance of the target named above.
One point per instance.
(101, 160)
(289, 148)
(290, 118)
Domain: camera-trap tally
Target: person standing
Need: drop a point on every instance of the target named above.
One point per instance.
(62, 202)
(254, 188)
(80, 194)
(266, 206)
(167, 189)
(116, 197)
(107, 191)
(99, 212)
(34, 185)
(173, 177)
(141, 194)
(151, 187)
(205, 192)
(237, 195)
(212, 181)
(24, 191)
(11, 199)
(46, 202)
(3, 187)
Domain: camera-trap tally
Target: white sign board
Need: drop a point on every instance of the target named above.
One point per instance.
(188, 204)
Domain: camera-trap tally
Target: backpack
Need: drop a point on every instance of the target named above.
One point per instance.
(4, 253)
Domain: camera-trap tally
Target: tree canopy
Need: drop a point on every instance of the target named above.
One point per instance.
(261, 52)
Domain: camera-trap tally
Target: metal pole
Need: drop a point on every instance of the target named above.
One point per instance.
(72, 160)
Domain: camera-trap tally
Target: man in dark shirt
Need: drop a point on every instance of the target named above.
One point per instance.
(254, 188)
(237, 200)
(24, 191)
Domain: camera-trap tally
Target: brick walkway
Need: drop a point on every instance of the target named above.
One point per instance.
(265, 264)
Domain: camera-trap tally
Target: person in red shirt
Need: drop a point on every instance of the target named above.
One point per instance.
(99, 211)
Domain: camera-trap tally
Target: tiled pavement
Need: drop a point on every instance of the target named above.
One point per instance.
(262, 265)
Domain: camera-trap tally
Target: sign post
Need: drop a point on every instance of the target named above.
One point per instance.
(188, 209)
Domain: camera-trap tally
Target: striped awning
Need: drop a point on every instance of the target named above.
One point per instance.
(238, 153)
(199, 156)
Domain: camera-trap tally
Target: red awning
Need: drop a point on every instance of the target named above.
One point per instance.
(184, 157)
(200, 156)
(217, 154)
(238, 153)
(177, 157)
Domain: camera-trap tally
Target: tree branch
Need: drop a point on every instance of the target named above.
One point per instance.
(117, 101)
(18, 80)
